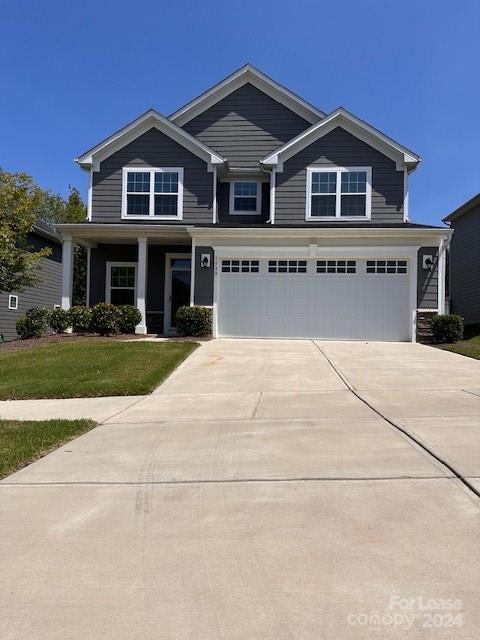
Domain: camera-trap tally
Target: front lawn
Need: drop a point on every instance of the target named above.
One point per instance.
(23, 442)
(89, 369)
(469, 346)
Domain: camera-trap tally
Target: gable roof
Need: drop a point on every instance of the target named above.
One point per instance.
(359, 128)
(246, 74)
(464, 208)
(136, 128)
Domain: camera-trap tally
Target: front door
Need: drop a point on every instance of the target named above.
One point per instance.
(177, 286)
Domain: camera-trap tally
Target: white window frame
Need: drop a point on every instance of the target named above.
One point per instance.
(258, 209)
(108, 279)
(338, 194)
(13, 302)
(152, 171)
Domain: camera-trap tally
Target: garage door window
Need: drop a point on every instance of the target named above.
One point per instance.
(336, 266)
(240, 266)
(287, 266)
(387, 266)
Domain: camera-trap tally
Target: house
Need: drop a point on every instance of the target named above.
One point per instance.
(48, 293)
(287, 221)
(465, 260)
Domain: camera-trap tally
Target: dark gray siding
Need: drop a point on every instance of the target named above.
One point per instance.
(246, 125)
(465, 266)
(153, 149)
(204, 278)
(155, 275)
(427, 280)
(339, 148)
(223, 203)
(47, 294)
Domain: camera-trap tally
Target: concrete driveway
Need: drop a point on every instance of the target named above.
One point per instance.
(257, 495)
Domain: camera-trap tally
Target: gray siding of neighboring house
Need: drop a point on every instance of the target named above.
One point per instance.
(47, 294)
(153, 149)
(339, 148)
(155, 275)
(245, 126)
(204, 277)
(427, 280)
(465, 266)
(223, 203)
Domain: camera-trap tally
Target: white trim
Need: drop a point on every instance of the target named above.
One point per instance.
(413, 295)
(216, 289)
(67, 272)
(148, 120)
(244, 75)
(167, 300)
(192, 273)
(272, 196)
(90, 194)
(152, 171)
(214, 196)
(87, 296)
(405, 194)
(108, 278)
(13, 302)
(441, 277)
(360, 129)
(338, 194)
(141, 282)
(241, 212)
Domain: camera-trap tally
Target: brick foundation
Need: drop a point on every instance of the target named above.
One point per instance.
(424, 324)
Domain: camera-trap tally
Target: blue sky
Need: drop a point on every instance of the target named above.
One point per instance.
(72, 73)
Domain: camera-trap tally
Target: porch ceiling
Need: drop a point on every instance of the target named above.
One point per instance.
(92, 234)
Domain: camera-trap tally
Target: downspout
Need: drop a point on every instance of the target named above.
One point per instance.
(271, 172)
(215, 195)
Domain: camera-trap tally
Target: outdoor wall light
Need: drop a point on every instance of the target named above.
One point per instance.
(205, 260)
(427, 262)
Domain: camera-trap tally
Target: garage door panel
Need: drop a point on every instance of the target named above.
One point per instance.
(363, 305)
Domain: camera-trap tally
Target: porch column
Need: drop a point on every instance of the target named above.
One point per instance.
(142, 284)
(67, 272)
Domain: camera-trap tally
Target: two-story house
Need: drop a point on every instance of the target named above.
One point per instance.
(288, 222)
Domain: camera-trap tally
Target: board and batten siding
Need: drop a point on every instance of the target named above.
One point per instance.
(203, 294)
(245, 126)
(339, 149)
(427, 280)
(153, 149)
(48, 293)
(465, 266)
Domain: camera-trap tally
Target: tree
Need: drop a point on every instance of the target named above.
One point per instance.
(20, 198)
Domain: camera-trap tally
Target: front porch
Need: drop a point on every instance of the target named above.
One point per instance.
(150, 268)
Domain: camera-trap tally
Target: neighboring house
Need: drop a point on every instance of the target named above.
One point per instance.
(289, 222)
(48, 293)
(465, 260)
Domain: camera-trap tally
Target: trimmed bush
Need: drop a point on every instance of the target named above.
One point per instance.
(105, 319)
(34, 323)
(80, 319)
(59, 320)
(448, 328)
(194, 321)
(130, 316)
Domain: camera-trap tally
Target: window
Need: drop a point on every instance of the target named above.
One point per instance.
(287, 266)
(13, 302)
(152, 193)
(336, 266)
(240, 266)
(338, 193)
(121, 282)
(386, 266)
(245, 198)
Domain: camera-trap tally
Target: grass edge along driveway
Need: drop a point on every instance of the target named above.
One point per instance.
(469, 346)
(23, 442)
(89, 369)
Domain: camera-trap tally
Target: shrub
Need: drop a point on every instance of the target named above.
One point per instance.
(447, 328)
(130, 316)
(80, 318)
(34, 323)
(194, 321)
(105, 319)
(59, 320)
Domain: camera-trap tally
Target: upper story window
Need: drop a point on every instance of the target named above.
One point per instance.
(339, 192)
(245, 198)
(152, 193)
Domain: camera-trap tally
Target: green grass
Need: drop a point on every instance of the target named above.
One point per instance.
(89, 369)
(24, 442)
(469, 346)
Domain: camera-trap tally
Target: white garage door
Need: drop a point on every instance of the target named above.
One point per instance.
(332, 299)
